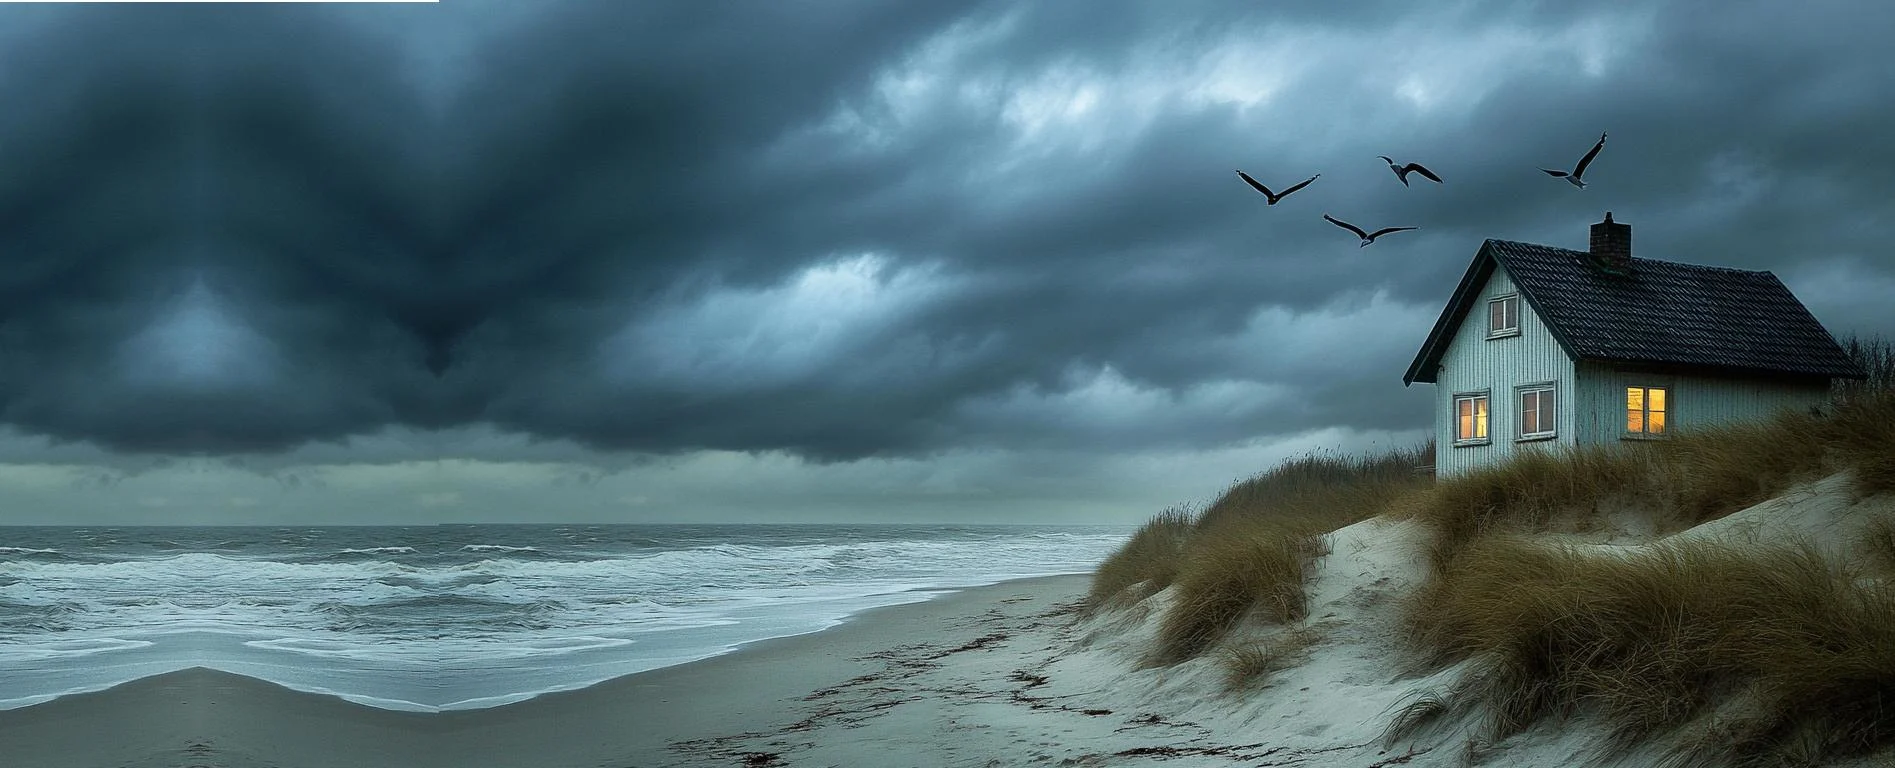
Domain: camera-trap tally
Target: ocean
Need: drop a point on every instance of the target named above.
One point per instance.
(431, 618)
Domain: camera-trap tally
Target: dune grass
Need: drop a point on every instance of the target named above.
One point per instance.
(1738, 655)
(1718, 471)
(1150, 558)
(1875, 355)
(1863, 432)
(1254, 549)
(1732, 654)
(1535, 491)
(1251, 551)
(1742, 656)
(1325, 485)
(1690, 478)
(1876, 547)
(1862, 437)
(1233, 568)
(1247, 664)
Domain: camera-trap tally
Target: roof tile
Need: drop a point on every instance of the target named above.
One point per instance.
(1669, 313)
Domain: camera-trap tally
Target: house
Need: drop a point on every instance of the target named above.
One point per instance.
(1549, 346)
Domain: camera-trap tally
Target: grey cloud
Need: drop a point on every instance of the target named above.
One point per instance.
(423, 255)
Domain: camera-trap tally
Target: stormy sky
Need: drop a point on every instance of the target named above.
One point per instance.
(956, 260)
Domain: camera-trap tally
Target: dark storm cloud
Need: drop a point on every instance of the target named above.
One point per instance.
(240, 230)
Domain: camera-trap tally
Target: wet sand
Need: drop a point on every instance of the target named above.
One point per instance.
(775, 702)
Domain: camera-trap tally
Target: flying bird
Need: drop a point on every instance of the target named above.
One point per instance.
(1274, 197)
(1402, 171)
(1581, 168)
(1366, 237)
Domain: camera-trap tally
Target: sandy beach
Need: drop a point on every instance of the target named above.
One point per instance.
(861, 693)
(1001, 675)
(1010, 674)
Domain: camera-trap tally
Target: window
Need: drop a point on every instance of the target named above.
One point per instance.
(1538, 417)
(1470, 419)
(1645, 410)
(1503, 316)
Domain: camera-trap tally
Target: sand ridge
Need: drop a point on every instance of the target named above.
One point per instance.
(1012, 674)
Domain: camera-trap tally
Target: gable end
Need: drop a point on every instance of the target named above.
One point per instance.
(1428, 360)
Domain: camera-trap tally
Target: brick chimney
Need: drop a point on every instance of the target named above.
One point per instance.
(1612, 245)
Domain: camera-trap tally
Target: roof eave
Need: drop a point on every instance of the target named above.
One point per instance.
(1851, 373)
(1422, 369)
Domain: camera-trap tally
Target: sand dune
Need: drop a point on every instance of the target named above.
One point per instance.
(1006, 675)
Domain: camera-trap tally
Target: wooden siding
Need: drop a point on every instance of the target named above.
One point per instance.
(1696, 401)
(1475, 362)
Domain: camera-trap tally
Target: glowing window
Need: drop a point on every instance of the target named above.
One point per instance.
(1645, 410)
(1470, 418)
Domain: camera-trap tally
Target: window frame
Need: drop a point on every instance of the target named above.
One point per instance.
(1549, 419)
(1509, 302)
(1485, 398)
(1625, 410)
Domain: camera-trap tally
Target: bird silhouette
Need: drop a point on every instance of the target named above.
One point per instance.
(1402, 171)
(1273, 197)
(1366, 236)
(1581, 168)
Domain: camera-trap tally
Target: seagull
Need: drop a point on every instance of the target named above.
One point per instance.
(1366, 237)
(1273, 198)
(1402, 171)
(1581, 168)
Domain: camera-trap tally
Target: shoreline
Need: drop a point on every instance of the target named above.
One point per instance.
(1010, 674)
(844, 613)
(209, 717)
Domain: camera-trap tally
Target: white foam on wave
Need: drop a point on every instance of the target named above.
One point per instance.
(423, 651)
(204, 569)
(491, 626)
(380, 551)
(67, 649)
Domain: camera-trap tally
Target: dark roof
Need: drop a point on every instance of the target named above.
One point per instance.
(1659, 313)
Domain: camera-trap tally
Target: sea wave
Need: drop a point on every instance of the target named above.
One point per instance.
(11, 555)
(379, 551)
(440, 615)
(382, 614)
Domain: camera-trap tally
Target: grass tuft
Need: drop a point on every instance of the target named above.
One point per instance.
(1863, 430)
(1875, 355)
(1862, 436)
(1714, 472)
(1876, 546)
(1233, 569)
(1535, 491)
(1426, 709)
(1325, 485)
(1252, 551)
(1150, 558)
(1651, 640)
(1250, 663)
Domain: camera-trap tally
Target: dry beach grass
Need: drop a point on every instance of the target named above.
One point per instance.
(1590, 588)
(1251, 551)
(1774, 655)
